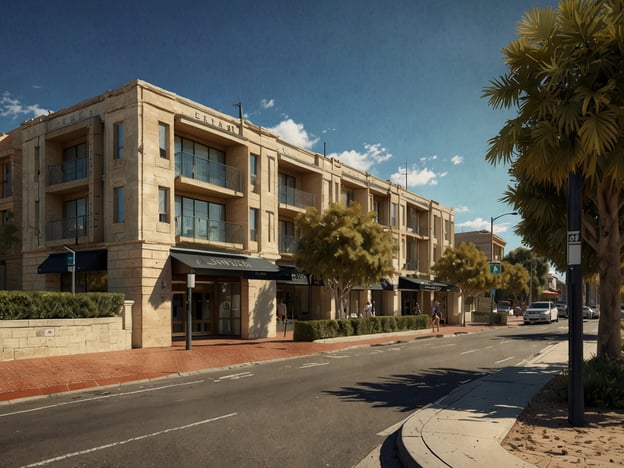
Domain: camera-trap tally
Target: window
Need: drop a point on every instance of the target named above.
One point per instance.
(118, 140)
(393, 214)
(75, 162)
(348, 198)
(163, 204)
(287, 186)
(75, 217)
(119, 208)
(163, 140)
(7, 180)
(204, 220)
(253, 224)
(253, 170)
(286, 232)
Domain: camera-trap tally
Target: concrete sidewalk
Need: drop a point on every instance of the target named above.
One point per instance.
(466, 427)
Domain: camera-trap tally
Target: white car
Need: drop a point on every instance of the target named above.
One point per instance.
(590, 313)
(542, 311)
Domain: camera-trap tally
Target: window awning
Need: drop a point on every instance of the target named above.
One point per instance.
(291, 275)
(216, 263)
(414, 284)
(86, 260)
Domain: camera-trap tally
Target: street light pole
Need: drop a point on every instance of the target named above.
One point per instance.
(493, 290)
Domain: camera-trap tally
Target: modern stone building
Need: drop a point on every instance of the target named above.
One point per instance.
(143, 187)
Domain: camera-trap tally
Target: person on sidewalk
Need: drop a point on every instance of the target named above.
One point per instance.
(435, 317)
(367, 310)
(282, 311)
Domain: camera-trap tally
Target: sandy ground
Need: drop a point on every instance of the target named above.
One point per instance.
(544, 437)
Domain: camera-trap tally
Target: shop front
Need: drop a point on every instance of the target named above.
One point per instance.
(219, 298)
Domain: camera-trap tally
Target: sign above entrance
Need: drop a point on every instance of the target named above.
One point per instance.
(210, 263)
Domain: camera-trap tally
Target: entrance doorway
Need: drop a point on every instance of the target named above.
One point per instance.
(201, 312)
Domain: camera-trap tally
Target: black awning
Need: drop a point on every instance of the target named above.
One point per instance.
(291, 275)
(414, 284)
(86, 260)
(216, 263)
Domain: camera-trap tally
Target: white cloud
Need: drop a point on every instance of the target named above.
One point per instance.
(294, 133)
(462, 209)
(457, 159)
(373, 154)
(267, 103)
(415, 177)
(480, 224)
(13, 108)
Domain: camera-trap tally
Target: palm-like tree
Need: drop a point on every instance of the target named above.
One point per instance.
(566, 79)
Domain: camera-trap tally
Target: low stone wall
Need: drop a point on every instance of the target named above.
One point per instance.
(26, 339)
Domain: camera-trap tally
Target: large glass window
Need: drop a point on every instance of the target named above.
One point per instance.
(118, 143)
(202, 220)
(119, 208)
(287, 193)
(75, 217)
(75, 162)
(287, 242)
(198, 161)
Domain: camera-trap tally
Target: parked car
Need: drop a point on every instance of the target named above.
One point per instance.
(562, 307)
(504, 307)
(542, 311)
(589, 313)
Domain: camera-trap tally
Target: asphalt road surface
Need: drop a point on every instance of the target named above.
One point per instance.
(325, 410)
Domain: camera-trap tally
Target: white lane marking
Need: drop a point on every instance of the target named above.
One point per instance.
(471, 351)
(127, 441)
(462, 382)
(444, 346)
(100, 397)
(240, 375)
(313, 364)
(503, 360)
(337, 356)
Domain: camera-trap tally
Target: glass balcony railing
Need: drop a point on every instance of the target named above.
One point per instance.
(67, 228)
(287, 244)
(295, 197)
(198, 168)
(68, 171)
(208, 229)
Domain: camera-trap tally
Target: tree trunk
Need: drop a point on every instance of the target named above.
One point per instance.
(609, 254)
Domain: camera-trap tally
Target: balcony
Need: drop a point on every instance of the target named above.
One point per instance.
(205, 229)
(287, 244)
(204, 170)
(416, 229)
(68, 171)
(297, 198)
(67, 228)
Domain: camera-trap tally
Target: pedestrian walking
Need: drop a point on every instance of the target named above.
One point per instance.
(282, 312)
(435, 316)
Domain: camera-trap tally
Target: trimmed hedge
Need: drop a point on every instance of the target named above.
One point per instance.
(19, 305)
(320, 329)
(498, 318)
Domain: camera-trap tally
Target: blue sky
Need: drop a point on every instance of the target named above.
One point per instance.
(393, 88)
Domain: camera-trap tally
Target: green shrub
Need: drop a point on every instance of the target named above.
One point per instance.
(321, 329)
(20, 305)
(602, 383)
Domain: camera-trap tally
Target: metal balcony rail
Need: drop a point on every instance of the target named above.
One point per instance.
(294, 197)
(208, 229)
(67, 228)
(287, 244)
(68, 171)
(199, 168)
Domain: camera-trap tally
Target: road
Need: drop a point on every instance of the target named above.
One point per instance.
(325, 410)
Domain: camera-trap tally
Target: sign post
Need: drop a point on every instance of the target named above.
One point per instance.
(71, 266)
(190, 283)
(495, 269)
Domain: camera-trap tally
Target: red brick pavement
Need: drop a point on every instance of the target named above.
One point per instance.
(46, 376)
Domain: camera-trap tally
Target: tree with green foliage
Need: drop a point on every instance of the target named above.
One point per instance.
(536, 266)
(513, 281)
(566, 80)
(467, 267)
(344, 248)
